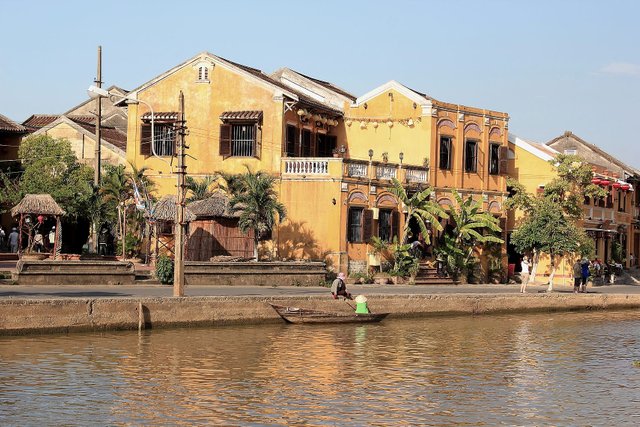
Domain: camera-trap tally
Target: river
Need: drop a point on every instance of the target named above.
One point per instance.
(543, 369)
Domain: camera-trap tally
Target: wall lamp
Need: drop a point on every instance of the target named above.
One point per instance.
(370, 154)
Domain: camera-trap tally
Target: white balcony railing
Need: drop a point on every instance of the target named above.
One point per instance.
(416, 175)
(306, 166)
(358, 170)
(385, 172)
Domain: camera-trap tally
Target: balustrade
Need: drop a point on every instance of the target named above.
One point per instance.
(385, 172)
(306, 166)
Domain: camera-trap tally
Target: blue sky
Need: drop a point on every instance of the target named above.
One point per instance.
(552, 65)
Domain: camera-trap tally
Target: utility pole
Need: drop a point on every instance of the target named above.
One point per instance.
(178, 272)
(98, 82)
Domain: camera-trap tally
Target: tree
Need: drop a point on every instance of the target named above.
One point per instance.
(50, 166)
(548, 229)
(472, 228)
(560, 203)
(257, 202)
(419, 207)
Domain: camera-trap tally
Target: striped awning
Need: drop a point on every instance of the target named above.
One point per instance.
(160, 115)
(241, 115)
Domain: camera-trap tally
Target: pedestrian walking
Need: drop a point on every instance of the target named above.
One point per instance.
(524, 274)
(585, 273)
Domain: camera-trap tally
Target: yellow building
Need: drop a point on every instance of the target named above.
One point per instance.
(334, 154)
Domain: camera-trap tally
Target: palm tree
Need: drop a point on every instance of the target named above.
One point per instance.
(469, 222)
(200, 189)
(420, 208)
(257, 202)
(114, 191)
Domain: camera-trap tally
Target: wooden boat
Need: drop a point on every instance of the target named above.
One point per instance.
(305, 315)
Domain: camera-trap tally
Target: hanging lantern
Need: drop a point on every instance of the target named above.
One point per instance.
(625, 187)
(390, 123)
(616, 185)
(410, 122)
(349, 122)
(375, 125)
(302, 112)
(40, 219)
(604, 182)
(595, 181)
(363, 125)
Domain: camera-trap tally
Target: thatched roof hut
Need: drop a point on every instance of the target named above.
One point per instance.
(215, 206)
(37, 204)
(165, 210)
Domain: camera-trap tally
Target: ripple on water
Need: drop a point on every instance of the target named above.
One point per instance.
(552, 369)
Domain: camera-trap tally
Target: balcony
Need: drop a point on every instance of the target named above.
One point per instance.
(329, 167)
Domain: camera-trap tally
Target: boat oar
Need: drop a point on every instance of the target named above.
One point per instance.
(345, 301)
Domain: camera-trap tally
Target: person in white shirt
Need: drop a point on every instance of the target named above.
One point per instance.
(524, 274)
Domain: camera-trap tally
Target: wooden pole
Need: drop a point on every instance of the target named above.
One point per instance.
(98, 81)
(178, 272)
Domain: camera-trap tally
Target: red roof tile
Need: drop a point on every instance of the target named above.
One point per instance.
(8, 125)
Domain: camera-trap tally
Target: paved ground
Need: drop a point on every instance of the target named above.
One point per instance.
(14, 291)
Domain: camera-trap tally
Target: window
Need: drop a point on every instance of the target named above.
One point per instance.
(164, 143)
(622, 201)
(240, 140)
(445, 153)
(384, 225)
(291, 142)
(471, 156)
(306, 143)
(494, 159)
(325, 145)
(203, 74)
(355, 225)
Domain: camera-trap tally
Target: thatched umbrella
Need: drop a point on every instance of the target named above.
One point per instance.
(164, 213)
(39, 206)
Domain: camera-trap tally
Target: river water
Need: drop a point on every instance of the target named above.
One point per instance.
(549, 369)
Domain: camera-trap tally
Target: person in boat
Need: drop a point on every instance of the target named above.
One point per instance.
(339, 288)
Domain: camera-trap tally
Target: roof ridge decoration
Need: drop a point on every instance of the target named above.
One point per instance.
(416, 97)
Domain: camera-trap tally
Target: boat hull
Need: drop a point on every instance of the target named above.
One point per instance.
(303, 315)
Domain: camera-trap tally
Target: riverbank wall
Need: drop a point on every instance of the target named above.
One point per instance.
(61, 315)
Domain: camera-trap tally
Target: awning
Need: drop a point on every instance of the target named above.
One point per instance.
(241, 115)
(160, 116)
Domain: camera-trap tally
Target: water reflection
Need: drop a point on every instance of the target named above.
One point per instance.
(561, 369)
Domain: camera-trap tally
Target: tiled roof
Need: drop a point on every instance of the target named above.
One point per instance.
(160, 115)
(38, 121)
(241, 115)
(109, 134)
(303, 98)
(8, 125)
(329, 85)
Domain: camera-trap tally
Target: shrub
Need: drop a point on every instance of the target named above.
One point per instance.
(164, 270)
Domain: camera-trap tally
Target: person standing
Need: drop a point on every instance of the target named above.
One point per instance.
(524, 274)
(52, 238)
(2, 236)
(577, 276)
(585, 273)
(14, 237)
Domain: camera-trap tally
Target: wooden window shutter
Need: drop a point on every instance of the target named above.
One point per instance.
(145, 139)
(225, 140)
(503, 156)
(257, 149)
(367, 225)
(395, 224)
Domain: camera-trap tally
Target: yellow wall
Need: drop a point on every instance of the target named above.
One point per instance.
(412, 140)
(204, 102)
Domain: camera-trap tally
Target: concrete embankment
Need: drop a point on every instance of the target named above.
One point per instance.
(24, 316)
